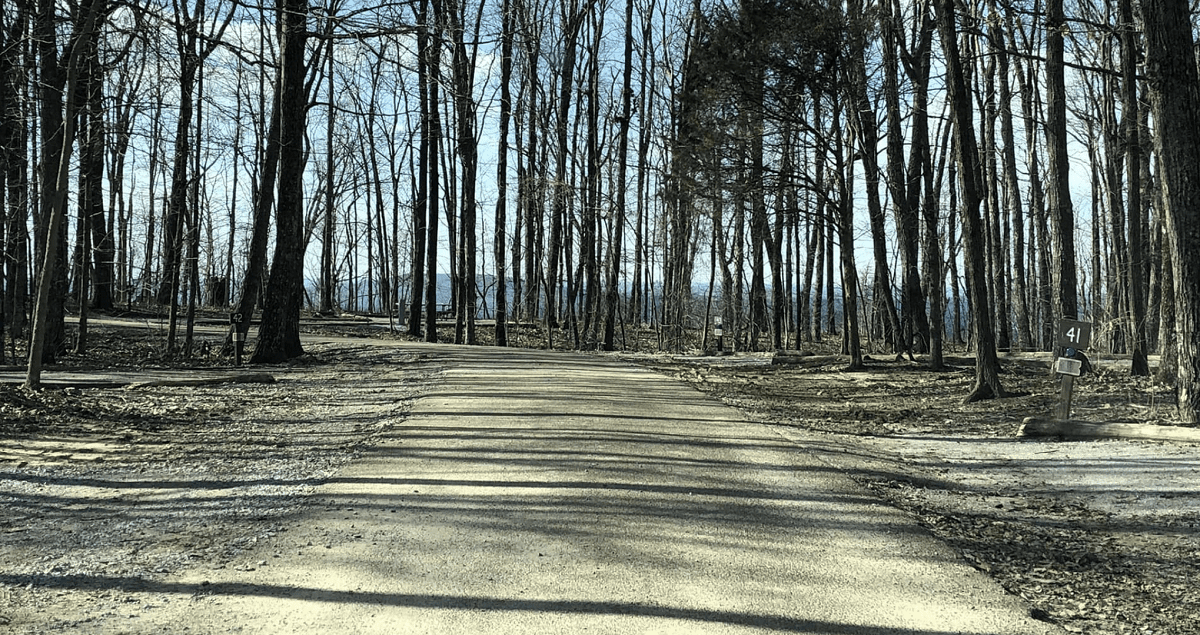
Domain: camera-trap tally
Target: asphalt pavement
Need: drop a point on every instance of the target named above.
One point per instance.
(534, 492)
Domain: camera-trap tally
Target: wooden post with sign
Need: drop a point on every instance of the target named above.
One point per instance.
(1073, 336)
(238, 337)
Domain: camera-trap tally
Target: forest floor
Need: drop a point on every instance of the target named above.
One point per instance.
(103, 486)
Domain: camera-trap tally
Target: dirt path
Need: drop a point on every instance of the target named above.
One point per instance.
(323, 498)
(548, 493)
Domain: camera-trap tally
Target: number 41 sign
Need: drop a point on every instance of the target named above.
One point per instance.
(1073, 334)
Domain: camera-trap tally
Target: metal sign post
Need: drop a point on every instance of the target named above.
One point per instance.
(719, 331)
(1073, 337)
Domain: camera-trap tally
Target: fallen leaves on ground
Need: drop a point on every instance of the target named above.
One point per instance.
(1085, 570)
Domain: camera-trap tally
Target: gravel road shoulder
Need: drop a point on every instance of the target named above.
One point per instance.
(1103, 537)
(102, 485)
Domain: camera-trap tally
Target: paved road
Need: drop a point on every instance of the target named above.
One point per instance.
(550, 493)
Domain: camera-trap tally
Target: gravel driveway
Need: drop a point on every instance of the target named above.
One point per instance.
(527, 492)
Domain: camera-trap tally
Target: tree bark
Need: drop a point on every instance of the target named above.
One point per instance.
(987, 366)
(1012, 187)
(1174, 92)
(572, 18)
(14, 142)
(499, 245)
(327, 282)
(618, 214)
(1133, 165)
(48, 306)
(921, 175)
(433, 190)
(420, 210)
(92, 179)
(1062, 217)
(845, 231)
(279, 333)
(264, 201)
(905, 188)
(464, 105)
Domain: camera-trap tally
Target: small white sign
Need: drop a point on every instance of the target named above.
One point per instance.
(1067, 366)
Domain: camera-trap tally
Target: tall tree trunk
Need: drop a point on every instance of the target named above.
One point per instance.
(1062, 217)
(921, 175)
(192, 232)
(845, 230)
(639, 304)
(1117, 255)
(776, 239)
(499, 245)
(996, 258)
(14, 138)
(864, 123)
(905, 188)
(1133, 164)
(987, 366)
(1012, 188)
(264, 201)
(92, 178)
(279, 334)
(420, 210)
(618, 212)
(177, 200)
(58, 132)
(572, 17)
(1174, 93)
(327, 224)
(820, 222)
(759, 226)
(433, 190)
(464, 105)
(531, 201)
(1041, 318)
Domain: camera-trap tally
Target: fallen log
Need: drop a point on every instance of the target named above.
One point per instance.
(245, 378)
(806, 360)
(1074, 429)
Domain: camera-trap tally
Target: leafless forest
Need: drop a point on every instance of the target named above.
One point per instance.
(899, 175)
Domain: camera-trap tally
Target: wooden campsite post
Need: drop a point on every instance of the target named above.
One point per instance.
(1073, 337)
(235, 320)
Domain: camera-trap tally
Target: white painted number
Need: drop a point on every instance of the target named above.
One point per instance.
(1073, 334)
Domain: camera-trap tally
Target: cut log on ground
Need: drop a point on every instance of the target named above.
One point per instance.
(247, 378)
(806, 360)
(1074, 429)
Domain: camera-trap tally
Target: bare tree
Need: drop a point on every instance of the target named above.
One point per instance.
(279, 334)
(193, 48)
(501, 218)
(433, 129)
(1130, 107)
(1174, 92)
(14, 161)
(58, 129)
(987, 367)
(1062, 216)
